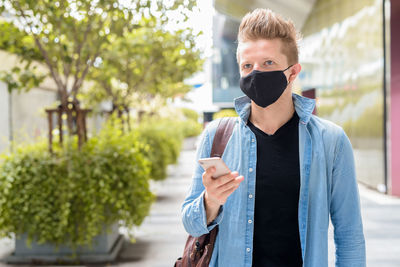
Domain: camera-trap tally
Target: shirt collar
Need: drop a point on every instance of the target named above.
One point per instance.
(304, 107)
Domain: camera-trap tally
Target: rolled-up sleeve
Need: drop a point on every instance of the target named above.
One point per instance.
(345, 208)
(194, 216)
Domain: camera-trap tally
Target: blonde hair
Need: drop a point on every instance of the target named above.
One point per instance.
(265, 24)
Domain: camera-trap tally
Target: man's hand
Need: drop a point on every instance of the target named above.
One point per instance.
(218, 190)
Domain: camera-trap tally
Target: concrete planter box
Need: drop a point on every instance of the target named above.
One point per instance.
(105, 247)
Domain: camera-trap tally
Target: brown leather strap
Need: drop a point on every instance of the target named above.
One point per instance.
(198, 250)
(213, 235)
(222, 135)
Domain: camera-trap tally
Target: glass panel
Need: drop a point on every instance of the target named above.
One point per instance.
(225, 70)
(342, 58)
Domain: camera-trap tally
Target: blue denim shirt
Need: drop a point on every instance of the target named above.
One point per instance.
(328, 187)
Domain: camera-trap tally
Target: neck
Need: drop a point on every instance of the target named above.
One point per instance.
(271, 118)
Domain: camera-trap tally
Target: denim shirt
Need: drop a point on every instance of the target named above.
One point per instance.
(328, 187)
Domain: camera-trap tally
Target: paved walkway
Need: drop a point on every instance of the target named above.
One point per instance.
(160, 239)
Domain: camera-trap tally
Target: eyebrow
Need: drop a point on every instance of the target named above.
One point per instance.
(244, 62)
(268, 58)
(263, 59)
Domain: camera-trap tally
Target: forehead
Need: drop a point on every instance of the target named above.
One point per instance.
(260, 49)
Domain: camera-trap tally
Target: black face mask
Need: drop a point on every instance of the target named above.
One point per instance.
(264, 87)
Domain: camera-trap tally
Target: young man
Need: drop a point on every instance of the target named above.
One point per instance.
(295, 168)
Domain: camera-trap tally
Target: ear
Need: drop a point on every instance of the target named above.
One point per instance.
(294, 71)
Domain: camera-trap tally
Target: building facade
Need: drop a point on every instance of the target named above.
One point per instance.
(347, 64)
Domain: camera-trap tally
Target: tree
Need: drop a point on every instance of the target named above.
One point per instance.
(72, 35)
(147, 62)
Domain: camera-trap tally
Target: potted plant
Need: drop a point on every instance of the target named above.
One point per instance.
(65, 204)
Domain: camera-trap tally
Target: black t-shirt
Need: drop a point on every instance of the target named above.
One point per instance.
(276, 239)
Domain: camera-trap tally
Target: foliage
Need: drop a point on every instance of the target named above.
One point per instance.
(21, 79)
(15, 41)
(70, 37)
(147, 62)
(164, 138)
(225, 113)
(191, 128)
(190, 114)
(67, 198)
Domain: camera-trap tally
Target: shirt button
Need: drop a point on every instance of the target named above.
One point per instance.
(253, 140)
(250, 196)
(248, 249)
(249, 221)
(251, 169)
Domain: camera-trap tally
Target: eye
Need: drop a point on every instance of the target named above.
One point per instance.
(246, 66)
(268, 62)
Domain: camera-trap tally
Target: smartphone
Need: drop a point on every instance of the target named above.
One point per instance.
(218, 163)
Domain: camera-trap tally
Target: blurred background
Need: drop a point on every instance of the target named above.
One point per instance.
(89, 89)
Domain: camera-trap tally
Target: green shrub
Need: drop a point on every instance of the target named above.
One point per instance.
(68, 197)
(164, 139)
(191, 128)
(190, 114)
(225, 113)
